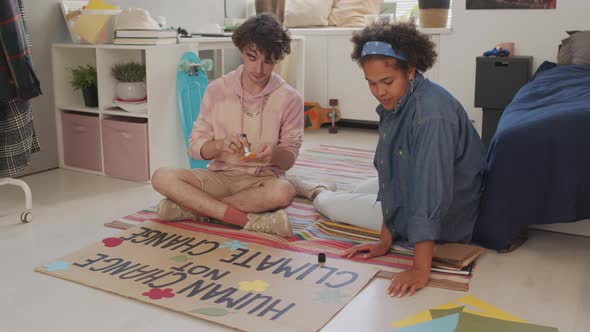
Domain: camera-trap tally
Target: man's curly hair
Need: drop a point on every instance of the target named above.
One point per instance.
(417, 47)
(267, 34)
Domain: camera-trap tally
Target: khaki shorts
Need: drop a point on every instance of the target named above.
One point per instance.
(221, 184)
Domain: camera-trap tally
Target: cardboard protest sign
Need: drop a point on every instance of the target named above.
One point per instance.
(237, 284)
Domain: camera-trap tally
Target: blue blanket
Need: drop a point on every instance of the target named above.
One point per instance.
(539, 158)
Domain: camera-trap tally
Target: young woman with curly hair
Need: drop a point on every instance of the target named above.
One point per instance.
(250, 100)
(430, 160)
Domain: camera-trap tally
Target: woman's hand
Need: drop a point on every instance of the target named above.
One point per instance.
(417, 277)
(410, 280)
(370, 250)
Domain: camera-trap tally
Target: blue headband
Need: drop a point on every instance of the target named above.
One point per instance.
(381, 48)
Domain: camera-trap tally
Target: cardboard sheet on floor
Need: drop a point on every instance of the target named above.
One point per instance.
(471, 305)
(238, 284)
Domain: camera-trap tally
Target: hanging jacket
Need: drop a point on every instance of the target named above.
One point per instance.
(17, 76)
(17, 133)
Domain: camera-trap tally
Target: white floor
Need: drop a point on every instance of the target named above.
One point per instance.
(547, 281)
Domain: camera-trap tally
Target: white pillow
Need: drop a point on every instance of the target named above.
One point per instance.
(306, 13)
(351, 13)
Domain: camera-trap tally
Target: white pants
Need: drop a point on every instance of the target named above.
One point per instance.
(359, 207)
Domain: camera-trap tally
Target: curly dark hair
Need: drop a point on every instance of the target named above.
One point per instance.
(418, 47)
(266, 33)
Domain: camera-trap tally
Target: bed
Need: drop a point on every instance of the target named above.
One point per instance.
(539, 158)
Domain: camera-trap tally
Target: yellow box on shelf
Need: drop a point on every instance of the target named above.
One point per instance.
(90, 22)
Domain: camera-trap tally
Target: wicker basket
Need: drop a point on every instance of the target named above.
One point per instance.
(433, 17)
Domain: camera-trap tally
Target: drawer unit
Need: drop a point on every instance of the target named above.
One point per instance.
(81, 141)
(125, 148)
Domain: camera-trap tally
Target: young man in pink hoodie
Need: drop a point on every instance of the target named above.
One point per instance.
(251, 100)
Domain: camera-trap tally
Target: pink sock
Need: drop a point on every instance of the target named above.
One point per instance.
(235, 216)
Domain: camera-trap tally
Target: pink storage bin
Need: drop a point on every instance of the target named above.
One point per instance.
(125, 148)
(81, 141)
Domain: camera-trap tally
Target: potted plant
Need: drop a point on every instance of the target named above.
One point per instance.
(131, 81)
(434, 13)
(84, 78)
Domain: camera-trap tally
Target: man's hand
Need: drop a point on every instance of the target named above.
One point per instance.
(370, 250)
(231, 144)
(410, 280)
(263, 154)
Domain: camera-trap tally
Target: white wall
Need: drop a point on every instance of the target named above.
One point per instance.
(535, 32)
(236, 8)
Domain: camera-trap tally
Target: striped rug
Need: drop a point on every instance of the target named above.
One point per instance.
(313, 233)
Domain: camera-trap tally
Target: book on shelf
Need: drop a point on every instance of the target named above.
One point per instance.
(145, 33)
(144, 41)
(216, 34)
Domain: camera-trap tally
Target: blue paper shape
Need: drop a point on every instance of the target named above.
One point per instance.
(56, 266)
(234, 245)
(443, 324)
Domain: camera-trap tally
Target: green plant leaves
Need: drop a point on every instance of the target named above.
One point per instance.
(129, 72)
(83, 76)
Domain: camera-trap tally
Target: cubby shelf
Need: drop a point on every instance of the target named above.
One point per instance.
(158, 129)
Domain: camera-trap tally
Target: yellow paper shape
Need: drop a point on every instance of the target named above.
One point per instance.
(470, 303)
(253, 286)
(100, 5)
(88, 27)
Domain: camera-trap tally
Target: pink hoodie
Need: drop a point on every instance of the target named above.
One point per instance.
(223, 113)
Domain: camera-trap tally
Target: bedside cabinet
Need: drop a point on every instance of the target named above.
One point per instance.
(497, 80)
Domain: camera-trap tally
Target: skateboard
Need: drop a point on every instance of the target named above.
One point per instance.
(191, 83)
(315, 115)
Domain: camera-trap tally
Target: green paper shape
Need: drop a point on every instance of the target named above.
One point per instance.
(211, 312)
(328, 296)
(438, 313)
(179, 258)
(469, 323)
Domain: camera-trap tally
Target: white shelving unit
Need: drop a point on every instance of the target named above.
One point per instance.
(165, 140)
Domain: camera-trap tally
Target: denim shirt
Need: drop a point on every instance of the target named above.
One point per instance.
(430, 161)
